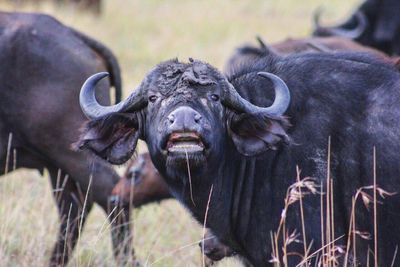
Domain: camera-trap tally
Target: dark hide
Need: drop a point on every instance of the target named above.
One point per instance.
(353, 98)
(383, 29)
(43, 65)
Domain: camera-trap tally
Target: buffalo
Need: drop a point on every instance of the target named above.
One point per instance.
(141, 183)
(43, 66)
(375, 23)
(229, 147)
(247, 54)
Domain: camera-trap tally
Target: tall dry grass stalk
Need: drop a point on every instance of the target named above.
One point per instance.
(330, 252)
(334, 249)
(394, 256)
(8, 153)
(190, 178)
(204, 226)
(375, 213)
(303, 228)
(328, 208)
(322, 222)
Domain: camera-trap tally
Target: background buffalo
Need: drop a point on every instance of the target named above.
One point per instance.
(378, 23)
(43, 64)
(141, 34)
(248, 54)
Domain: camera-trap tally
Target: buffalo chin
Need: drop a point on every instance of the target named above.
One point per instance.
(181, 162)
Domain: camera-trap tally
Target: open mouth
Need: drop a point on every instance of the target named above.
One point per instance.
(189, 142)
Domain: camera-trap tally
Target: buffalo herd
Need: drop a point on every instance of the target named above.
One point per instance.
(311, 123)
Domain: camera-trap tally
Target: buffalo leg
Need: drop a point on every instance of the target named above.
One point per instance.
(99, 179)
(117, 207)
(70, 203)
(119, 216)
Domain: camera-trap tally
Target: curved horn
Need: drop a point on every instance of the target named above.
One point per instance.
(362, 23)
(280, 105)
(93, 110)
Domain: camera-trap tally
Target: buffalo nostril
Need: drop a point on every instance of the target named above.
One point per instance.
(171, 118)
(197, 118)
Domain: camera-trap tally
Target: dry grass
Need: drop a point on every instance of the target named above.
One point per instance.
(142, 33)
(330, 254)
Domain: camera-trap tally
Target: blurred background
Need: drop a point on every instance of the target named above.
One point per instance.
(141, 34)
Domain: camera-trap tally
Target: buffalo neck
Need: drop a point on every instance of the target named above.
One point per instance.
(242, 194)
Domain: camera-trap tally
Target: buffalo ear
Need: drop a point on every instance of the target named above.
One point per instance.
(113, 137)
(254, 134)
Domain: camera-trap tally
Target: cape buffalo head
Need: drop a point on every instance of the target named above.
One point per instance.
(186, 113)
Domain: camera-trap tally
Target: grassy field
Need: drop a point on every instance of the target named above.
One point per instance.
(141, 34)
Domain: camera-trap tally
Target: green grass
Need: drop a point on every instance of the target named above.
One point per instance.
(141, 34)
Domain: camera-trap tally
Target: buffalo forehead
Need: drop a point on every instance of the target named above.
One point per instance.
(183, 78)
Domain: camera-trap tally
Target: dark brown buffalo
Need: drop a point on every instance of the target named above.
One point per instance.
(322, 44)
(142, 183)
(43, 65)
(248, 53)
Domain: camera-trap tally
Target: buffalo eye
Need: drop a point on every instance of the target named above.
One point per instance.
(152, 98)
(214, 97)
